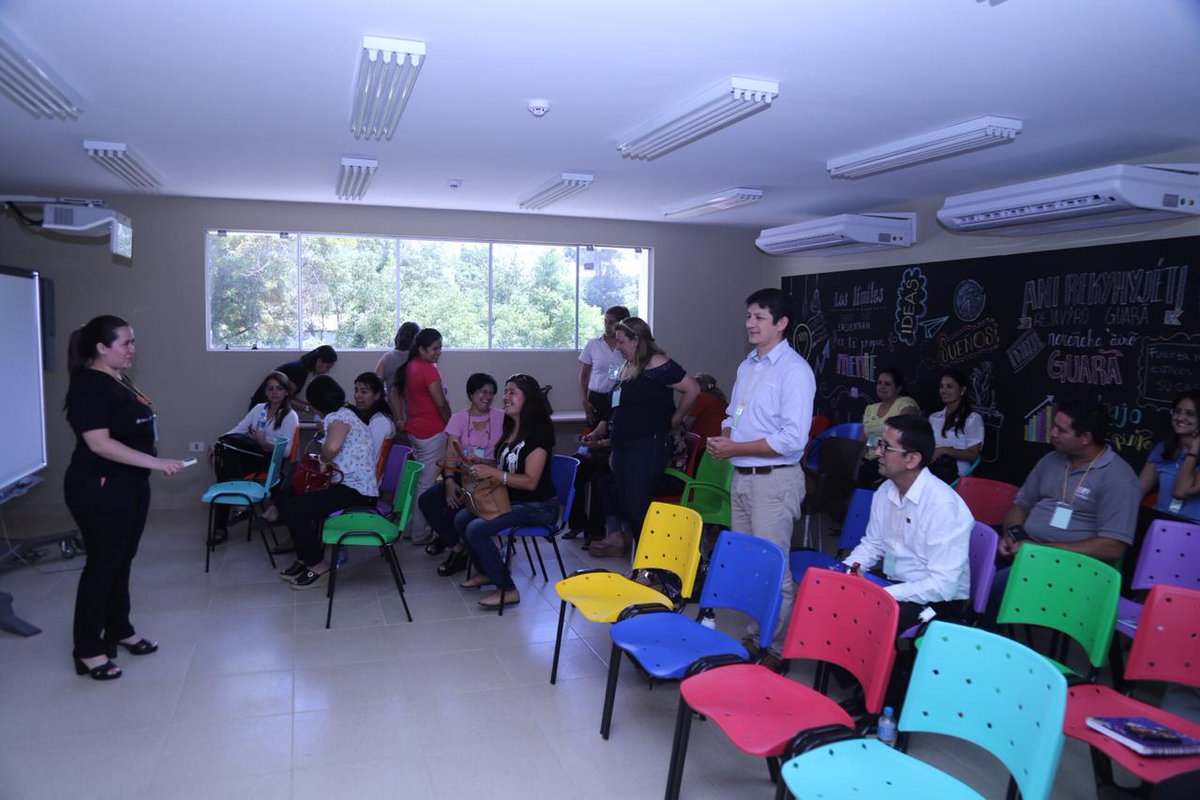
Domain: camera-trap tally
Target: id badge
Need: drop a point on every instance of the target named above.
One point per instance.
(1176, 505)
(1061, 518)
(614, 373)
(616, 397)
(479, 452)
(889, 564)
(871, 441)
(737, 415)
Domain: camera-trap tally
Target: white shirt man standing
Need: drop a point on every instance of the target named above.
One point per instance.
(764, 435)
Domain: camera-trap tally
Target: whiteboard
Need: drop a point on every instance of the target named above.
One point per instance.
(23, 452)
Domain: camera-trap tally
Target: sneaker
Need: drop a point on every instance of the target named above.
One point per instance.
(310, 580)
(294, 571)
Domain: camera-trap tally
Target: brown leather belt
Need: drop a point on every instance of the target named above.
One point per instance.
(761, 470)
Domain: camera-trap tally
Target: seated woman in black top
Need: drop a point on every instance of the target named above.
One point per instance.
(523, 465)
(315, 362)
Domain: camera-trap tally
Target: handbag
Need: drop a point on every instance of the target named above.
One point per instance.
(310, 477)
(487, 497)
(237, 454)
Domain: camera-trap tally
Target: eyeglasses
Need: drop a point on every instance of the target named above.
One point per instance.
(882, 447)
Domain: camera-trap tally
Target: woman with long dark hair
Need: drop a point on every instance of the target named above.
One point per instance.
(1171, 467)
(957, 430)
(107, 488)
(318, 361)
(523, 465)
(396, 358)
(418, 384)
(373, 410)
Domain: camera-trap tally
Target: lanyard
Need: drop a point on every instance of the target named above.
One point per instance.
(1079, 485)
(751, 392)
(471, 427)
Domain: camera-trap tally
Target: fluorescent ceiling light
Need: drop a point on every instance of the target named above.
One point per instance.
(973, 135)
(31, 84)
(387, 70)
(117, 158)
(724, 104)
(717, 201)
(565, 185)
(354, 177)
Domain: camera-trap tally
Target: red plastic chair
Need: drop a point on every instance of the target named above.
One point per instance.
(695, 446)
(987, 499)
(293, 450)
(836, 619)
(1166, 648)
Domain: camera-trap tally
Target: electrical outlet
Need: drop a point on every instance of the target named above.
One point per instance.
(195, 447)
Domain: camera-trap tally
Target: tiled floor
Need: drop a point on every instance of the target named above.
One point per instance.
(249, 695)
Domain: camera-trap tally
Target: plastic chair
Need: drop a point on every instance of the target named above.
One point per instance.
(1068, 592)
(857, 515)
(836, 619)
(846, 430)
(669, 542)
(834, 484)
(708, 492)
(974, 465)
(987, 499)
(367, 527)
(292, 452)
(243, 493)
(745, 574)
(694, 443)
(966, 683)
(799, 561)
(1171, 555)
(562, 471)
(393, 471)
(1166, 648)
(982, 561)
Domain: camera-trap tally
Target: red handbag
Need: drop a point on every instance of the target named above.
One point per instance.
(311, 477)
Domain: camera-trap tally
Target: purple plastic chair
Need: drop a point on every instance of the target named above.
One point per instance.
(391, 477)
(1170, 554)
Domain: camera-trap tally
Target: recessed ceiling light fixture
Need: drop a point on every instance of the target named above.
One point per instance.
(973, 135)
(120, 160)
(731, 100)
(31, 84)
(387, 70)
(565, 185)
(717, 201)
(354, 177)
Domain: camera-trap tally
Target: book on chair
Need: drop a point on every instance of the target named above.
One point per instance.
(1145, 736)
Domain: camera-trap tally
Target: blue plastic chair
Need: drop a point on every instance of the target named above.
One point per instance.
(745, 574)
(243, 493)
(846, 430)
(562, 472)
(855, 526)
(800, 560)
(969, 684)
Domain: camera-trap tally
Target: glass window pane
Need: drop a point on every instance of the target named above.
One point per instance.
(251, 290)
(348, 291)
(533, 297)
(444, 285)
(610, 276)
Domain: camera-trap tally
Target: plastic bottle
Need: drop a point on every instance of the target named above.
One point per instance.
(885, 729)
(856, 568)
(708, 618)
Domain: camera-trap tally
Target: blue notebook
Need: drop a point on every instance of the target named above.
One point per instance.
(1145, 736)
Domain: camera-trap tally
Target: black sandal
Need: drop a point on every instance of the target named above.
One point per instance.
(455, 562)
(142, 647)
(108, 671)
(435, 548)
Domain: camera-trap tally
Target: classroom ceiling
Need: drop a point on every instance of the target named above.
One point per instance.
(251, 98)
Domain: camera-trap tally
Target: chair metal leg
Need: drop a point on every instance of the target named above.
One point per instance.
(208, 541)
(510, 547)
(562, 614)
(389, 555)
(528, 556)
(263, 535)
(541, 564)
(1011, 793)
(558, 555)
(1116, 663)
(333, 571)
(683, 727)
(781, 789)
(773, 769)
(610, 692)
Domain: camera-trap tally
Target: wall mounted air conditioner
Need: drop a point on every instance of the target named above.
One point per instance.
(844, 233)
(1116, 195)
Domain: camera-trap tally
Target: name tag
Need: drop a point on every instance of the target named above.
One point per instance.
(479, 452)
(1061, 518)
(889, 564)
(737, 415)
(614, 373)
(871, 441)
(1176, 505)
(616, 397)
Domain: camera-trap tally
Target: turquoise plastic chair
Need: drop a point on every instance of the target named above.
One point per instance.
(969, 684)
(243, 493)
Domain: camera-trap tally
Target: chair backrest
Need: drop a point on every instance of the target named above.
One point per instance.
(844, 430)
(272, 476)
(982, 560)
(994, 692)
(1167, 644)
(694, 444)
(846, 620)
(406, 492)
(820, 424)
(1068, 592)
(562, 472)
(987, 499)
(670, 540)
(294, 450)
(381, 462)
(857, 515)
(397, 456)
(1170, 554)
(717, 471)
(837, 471)
(745, 573)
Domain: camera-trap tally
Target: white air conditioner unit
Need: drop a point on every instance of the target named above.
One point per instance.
(1115, 195)
(844, 233)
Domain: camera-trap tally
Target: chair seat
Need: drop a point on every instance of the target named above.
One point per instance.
(667, 644)
(866, 768)
(602, 596)
(758, 710)
(1128, 613)
(1093, 700)
(359, 528)
(234, 493)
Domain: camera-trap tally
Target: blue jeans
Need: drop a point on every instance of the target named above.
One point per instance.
(637, 466)
(478, 534)
(438, 514)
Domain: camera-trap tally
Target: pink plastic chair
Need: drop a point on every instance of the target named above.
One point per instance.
(987, 499)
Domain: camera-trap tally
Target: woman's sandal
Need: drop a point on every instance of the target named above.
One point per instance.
(606, 548)
(455, 562)
(476, 581)
(142, 647)
(492, 602)
(435, 547)
(108, 671)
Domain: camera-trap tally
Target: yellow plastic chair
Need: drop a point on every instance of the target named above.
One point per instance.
(669, 543)
(367, 527)
(708, 492)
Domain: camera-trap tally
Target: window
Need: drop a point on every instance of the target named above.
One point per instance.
(298, 291)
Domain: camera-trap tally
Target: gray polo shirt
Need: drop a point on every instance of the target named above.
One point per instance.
(1105, 504)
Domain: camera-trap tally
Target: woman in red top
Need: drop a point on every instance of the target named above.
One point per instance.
(708, 413)
(426, 412)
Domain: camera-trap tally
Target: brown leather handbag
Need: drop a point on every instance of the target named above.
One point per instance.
(487, 498)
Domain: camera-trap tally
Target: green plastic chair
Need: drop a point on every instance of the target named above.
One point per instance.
(367, 527)
(1073, 594)
(708, 492)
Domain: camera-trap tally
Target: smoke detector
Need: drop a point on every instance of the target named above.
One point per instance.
(539, 108)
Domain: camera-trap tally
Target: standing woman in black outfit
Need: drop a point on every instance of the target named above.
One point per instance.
(107, 488)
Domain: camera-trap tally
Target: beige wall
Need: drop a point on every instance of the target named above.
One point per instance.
(700, 276)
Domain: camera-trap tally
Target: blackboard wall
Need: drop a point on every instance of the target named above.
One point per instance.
(1119, 322)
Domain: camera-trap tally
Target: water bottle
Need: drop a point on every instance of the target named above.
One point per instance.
(885, 729)
(708, 618)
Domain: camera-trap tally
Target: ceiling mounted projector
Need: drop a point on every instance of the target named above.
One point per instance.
(842, 234)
